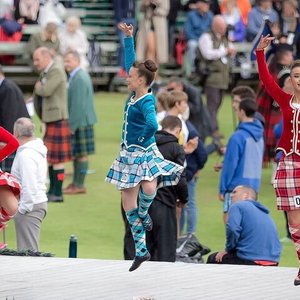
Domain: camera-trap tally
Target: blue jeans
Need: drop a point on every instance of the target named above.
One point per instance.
(192, 47)
(227, 202)
(121, 54)
(190, 212)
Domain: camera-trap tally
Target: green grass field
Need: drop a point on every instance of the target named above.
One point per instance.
(95, 217)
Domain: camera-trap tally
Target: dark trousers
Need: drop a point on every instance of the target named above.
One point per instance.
(161, 240)
(171, 38)
(214, 98)
(230, 259)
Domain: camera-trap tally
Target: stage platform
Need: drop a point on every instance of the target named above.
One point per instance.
(39, 278)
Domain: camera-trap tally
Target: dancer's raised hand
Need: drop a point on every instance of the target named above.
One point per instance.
(264, 42)
(127, 29)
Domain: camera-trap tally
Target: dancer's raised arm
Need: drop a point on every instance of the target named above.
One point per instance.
(270, 84)
(129, 45)
(11, 143)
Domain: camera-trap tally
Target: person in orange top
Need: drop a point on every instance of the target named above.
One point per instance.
(243, 5)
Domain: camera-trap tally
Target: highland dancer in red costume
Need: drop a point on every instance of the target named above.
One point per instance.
(9, 186)
(287, 179)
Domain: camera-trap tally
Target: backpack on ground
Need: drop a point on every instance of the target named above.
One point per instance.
(190, 250)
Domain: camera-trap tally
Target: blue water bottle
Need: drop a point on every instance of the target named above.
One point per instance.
(73, 246)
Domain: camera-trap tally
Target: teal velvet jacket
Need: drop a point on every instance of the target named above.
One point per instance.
(140, 122)
(81, 101)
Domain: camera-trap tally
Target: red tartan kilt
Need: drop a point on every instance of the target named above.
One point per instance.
(272, 116)
(9, 180)
(58, 142)
(287, 182)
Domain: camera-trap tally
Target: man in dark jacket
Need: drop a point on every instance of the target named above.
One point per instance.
(162, 240)
(199, 115)
(12, 107)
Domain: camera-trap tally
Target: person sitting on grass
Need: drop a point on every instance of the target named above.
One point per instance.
(251, 234)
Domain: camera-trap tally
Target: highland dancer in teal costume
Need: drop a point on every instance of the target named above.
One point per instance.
(140, 168)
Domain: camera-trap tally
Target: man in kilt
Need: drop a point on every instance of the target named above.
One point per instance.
(50, 102)
(82, 117)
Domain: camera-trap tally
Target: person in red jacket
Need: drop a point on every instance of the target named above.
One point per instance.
(287, 178)
(9, 186)
(10, 31)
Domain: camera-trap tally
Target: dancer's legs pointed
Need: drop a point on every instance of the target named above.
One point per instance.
(145, 202)
(295, 235)
(129, 201)
(147, 193)
(294, 228)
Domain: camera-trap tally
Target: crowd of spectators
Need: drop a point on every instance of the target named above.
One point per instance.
(56, 31)
(158, 21)
(158, 24)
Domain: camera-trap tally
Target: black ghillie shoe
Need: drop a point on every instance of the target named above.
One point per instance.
(54, 198)
(138, 260)
(297, 281)
(147, 222)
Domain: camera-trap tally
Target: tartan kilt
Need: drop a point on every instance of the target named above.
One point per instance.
(287, 183)
(272, 115)
(58, 142)
(134, 165)
(83, 142)
(6, 179)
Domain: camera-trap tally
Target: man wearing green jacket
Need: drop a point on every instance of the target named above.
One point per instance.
(82, 118)
(50, 102)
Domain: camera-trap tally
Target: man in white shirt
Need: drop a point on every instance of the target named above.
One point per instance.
(30, 168)
(215, 50)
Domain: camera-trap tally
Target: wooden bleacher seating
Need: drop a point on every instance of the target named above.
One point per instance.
(7, 48)
(91, 31)
(98, 23)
